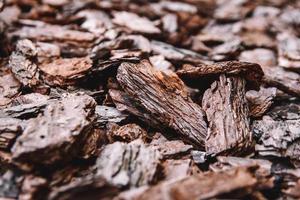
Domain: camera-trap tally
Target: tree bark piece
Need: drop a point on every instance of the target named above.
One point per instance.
(260, 101)
(46, 32)
(227, 113)
(278, 138)
(26, 106)
(286, 81)
(57, 135)
(22, 63)
(289, 51)
(105, 114)
(176, 54)
(206, 186)
(65, 71)
(165, 99)
(173, 149)
(131, 164)
(126, 133)
(264, 173)
(135, 22)
(251, 71)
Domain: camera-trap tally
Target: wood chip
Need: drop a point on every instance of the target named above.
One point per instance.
(228, 116)
(158, 99)
(65, 71)
(131, 164)
(135, 22)
(40, 144)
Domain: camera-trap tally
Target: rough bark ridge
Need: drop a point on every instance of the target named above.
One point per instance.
(164, 97)
(227, 113)
(56, 134)
(251, 71)
(131, 164)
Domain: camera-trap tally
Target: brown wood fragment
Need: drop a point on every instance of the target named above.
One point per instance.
(176, 54)
(289, 51)
(257, 39)
(105, 114)
(232, 10)
(206, 186)
(264, 57)
(160, 63)
(263, 173)
(173, 148)
(46, 32)
(65, 71)
(26, 106)
(40, 143)
(227, 113)
(135, 22)
(132, 164)
(165, 99)
(286, 81)
(278, 138)
(260, 101)
(126, 133)
(47, 51)
(137, 99)
(22, 63)
(251, 71)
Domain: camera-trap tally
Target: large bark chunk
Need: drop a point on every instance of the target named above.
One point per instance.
(26, 106)
(227, 113)
(45, 32)
(251, 71)
(234, 182)
(172, 149)
(264, 57)
(126, 133)
(22, 63)
(65, 71)
(263, 173)
(131, 164)
(278, 138)
(165, 99)
(135, 23)
(105, 114)
(286, 81)
(176, 54)
(57, 134)
(260, 101)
